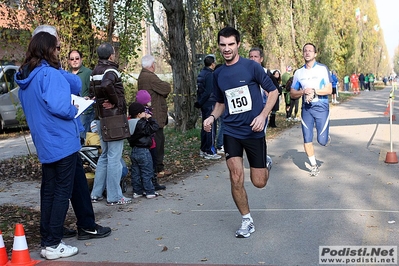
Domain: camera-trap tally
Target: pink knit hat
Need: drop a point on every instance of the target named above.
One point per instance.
(143, 97)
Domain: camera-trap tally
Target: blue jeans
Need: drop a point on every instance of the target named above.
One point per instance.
(142, 171)
(109, 170)
(219, 140)
(208, 138)
(55, 192)
(86, 119)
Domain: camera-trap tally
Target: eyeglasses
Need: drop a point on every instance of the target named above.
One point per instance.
(76, 58)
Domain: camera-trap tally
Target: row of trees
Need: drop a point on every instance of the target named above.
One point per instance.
(346, 33)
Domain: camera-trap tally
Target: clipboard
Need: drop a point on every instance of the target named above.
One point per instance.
(81, 102)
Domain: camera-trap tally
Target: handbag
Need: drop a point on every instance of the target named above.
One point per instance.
(114, 128)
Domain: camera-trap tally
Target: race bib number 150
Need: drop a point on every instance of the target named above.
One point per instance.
(239, 100)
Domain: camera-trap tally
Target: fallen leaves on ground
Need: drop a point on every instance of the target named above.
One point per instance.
(182, 157)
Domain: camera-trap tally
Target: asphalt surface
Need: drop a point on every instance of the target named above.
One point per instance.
(353, 201)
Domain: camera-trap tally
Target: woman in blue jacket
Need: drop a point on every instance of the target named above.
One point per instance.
(45, 97)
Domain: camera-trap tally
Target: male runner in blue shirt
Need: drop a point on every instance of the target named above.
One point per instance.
(239, 100)
(313, 83)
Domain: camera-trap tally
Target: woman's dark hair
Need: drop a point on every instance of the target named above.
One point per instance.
(279, 75)
(228, 32)
(42, 46)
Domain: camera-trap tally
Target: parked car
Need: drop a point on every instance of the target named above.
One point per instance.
(9, 101)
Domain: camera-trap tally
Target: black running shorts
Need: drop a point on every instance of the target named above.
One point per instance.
(255, 149)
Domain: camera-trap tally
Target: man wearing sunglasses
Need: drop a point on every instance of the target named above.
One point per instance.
(75, 61)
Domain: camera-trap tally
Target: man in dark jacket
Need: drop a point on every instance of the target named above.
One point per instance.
(159, 91)
(107, 87)
(206, 101)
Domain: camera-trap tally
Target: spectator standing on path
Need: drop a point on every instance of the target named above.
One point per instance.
(256, 54)
(286, 93)
(238, 99)
(346, 82)
(371, 81)
(334, 82)
(106, 85)
(206, 101)
(75, 61)
(294, 103)
(313, 83)
(81, 204)
(45, 96)
(142, 127)
(276, 107)
(144, 98)
(159, 91)
(355, 83)
(362, 82)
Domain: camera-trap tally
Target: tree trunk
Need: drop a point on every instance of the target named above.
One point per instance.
(184, 92)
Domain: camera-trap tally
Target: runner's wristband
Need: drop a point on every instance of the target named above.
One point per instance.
(214, 118)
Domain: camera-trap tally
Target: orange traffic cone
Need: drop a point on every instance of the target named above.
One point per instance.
(20, 253)
(387, 109)
(3, 252)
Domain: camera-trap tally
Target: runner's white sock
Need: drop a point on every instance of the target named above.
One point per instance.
(312, 160)
(247, 216)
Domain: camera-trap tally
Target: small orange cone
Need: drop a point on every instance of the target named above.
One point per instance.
(20, 253)
(3, 252)
(387, 109)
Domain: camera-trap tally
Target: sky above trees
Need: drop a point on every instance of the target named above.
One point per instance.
(388, 11)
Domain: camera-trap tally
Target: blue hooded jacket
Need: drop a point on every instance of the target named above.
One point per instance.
(45, 96)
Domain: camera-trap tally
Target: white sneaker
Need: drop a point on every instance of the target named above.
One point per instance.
(136, 196)
(201, 154)
(151, 196)
(221, 150)
(246, 229)
(61, 251)
(314, 170)
(212, 156)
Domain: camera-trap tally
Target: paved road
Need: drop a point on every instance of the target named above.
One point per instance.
(353, 201)
(22, 145)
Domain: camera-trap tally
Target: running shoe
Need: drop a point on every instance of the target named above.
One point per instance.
(314, 170)
(269, 163)
(151, 196)
(137, 195)
(212, 156)
(96, 199)
(122, 201)
(97, 232)
(246, 229)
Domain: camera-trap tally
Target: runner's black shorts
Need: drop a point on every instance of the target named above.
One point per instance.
(256, 150)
